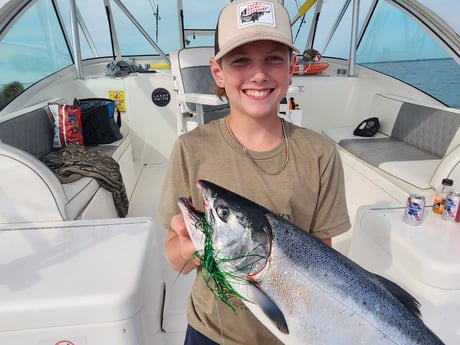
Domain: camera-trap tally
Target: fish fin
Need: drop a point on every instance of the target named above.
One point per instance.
(269, 308)
(409, 301)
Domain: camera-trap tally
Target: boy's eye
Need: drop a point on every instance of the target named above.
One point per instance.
(274, 58)
(240, 60)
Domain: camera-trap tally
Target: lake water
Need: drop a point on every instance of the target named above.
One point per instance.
(438, 77)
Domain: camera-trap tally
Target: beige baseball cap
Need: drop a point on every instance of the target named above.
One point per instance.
(245, 21)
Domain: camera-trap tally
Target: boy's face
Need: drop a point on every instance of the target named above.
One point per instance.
(255, 76)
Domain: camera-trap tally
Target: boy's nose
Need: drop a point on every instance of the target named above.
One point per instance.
(259, 73)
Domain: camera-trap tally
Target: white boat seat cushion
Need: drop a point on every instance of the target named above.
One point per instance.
(406, 162)
(411, 146)
(381, 150)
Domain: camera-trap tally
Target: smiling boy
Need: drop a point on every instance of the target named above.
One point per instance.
(292, 171)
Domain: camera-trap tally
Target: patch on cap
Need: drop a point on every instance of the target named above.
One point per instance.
(256, 13)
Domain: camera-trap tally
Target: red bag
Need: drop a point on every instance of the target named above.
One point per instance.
(67, 125)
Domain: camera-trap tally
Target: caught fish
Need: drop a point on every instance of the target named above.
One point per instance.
(302, 290)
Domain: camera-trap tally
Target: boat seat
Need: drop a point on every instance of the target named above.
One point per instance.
(194, 84)
(417, 146)
(29, 131)
(30, 191)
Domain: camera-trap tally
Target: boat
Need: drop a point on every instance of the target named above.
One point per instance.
(73, 272)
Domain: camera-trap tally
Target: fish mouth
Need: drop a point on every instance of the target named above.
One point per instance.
(194, 222)
(190, 211)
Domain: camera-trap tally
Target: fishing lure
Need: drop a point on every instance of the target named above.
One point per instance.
(216, 280)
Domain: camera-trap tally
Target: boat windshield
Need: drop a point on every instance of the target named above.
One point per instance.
(396, 45)
(40, 43)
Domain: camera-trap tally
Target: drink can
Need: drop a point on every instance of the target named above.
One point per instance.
(451, 210)
(415, 205)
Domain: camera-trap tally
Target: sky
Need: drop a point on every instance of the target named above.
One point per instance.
(200, 14)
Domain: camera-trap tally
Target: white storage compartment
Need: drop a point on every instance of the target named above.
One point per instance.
(80, 283)
(423, 259)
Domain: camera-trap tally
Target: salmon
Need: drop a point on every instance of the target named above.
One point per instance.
(301, 289)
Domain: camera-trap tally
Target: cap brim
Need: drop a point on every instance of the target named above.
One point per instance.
(239, 42)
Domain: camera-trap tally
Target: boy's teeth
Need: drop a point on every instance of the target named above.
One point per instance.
(254, 93)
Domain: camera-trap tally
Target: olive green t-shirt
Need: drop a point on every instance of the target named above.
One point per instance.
(308, 192)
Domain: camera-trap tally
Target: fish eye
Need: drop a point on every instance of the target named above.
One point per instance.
(223, 213)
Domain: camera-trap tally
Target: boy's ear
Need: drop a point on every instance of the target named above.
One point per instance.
(216, 71)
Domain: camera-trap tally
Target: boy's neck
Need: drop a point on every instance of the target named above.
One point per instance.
(261, 134)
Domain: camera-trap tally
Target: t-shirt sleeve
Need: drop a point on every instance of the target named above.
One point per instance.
(175, 185)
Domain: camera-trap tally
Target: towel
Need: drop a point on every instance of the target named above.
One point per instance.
(74, 161)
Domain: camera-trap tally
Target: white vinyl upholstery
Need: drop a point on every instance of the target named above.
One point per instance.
(29, 190)
(194, 85)
(417, 146)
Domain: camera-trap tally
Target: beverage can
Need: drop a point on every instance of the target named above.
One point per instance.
(451, 210)
(415, 206)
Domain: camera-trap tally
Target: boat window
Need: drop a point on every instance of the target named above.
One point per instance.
(156, 17)
(395, 44)
(93, 29)
(200, 18)
(331, 43)
(35, 40)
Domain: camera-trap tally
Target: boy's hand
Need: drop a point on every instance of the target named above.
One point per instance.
(185, 243)
(179, 248)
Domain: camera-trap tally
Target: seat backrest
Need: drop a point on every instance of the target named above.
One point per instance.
(191, 72)
(428, 128)
(31, 131)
